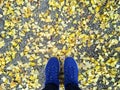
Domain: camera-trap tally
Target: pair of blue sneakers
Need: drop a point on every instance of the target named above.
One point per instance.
(70, 71)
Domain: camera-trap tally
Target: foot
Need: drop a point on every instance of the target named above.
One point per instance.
(70, 71)
(52, 71)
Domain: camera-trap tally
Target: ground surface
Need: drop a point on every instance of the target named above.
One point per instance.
(32, 31)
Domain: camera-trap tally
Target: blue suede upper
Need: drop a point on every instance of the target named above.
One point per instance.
(52, 71)
(70, 71)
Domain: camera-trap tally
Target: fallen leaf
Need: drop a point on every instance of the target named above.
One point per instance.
(117, 49)
(2, 43)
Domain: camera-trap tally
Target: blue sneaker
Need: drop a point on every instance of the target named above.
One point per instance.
(70, 72)
(52, 71)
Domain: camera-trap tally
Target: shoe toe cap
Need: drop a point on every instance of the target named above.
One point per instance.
(70, 60)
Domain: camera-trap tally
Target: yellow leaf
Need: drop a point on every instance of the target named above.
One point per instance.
(18, 47)
(84, 37)
(113, 72)
(102, 26)
(61, 0)
(97, 8)
(31, 58)
(26, 49)
(3, 34)
(80, 77)
(92, 2)
(32, 63)
(18, 12)
(101, 58)
(113, 42)
(117, 49)
(12, 84)
(18, 40)
(97, 67)
(39, 62)
(22, 33)
(27, 12)
(1, 2)
(3, 79)
(14, 19)
(112, 62)
(11, 32)
(18, 78)
(14, 43)
(48, 19)
(33, 77)
(89, 43)
(2, 43)
(7, 23)
(2, 61)
(55, 50)
(10, 10)
(13, 54)
(101, 40)
(19, 2)
(8, 59)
